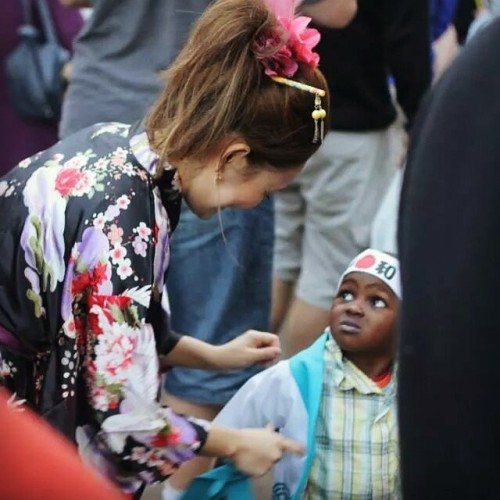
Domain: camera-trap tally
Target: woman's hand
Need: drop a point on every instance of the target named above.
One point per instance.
(253, 451)
(251, 348)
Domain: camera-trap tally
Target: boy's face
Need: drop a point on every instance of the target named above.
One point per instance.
(363, 316)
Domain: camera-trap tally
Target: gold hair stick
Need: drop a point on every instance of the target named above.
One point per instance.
(299, 85)
(319, 114)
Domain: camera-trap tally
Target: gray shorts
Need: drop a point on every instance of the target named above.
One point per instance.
(324, 218)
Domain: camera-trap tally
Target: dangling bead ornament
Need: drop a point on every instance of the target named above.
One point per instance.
(318, 115)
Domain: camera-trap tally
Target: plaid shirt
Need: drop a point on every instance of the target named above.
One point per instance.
(357, 450)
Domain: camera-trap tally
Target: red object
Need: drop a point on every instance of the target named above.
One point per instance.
(366, 262)
(38, 463)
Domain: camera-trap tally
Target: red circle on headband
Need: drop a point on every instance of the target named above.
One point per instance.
(366, 262)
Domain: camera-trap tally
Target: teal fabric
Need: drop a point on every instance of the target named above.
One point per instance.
(307, 370)
(222, 483)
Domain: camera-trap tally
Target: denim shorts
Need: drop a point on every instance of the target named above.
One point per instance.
(219, 289)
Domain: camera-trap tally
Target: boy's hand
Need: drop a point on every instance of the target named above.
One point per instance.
(250, 348)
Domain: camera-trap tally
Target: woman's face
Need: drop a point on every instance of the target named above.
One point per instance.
(228, 181)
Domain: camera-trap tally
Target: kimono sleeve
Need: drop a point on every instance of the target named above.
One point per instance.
(267, 398)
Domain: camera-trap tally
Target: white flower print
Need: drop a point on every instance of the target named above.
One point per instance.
(5, 189)
(78, 161)
(124, 269)
(140, 246)
(57, 158)
(4, 185)
(25, 163)
(112, 128)
(123, 202)
(129, 169)
(143, 231)
(99, 221)
(118, 253)
(101, 163)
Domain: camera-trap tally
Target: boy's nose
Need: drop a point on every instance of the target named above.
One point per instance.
(355, 308)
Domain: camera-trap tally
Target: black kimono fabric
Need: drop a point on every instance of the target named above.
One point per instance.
(84, 241)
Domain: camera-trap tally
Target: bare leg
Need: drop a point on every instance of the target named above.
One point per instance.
(302, 326)
(188, 471)
(281, 299)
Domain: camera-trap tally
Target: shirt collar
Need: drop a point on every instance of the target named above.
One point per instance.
(139, 144)
(346, 376)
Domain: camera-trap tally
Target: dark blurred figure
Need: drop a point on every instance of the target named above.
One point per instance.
(449, 246)
(21, 138)
(464, 15)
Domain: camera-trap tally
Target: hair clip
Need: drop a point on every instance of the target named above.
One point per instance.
(319, 114)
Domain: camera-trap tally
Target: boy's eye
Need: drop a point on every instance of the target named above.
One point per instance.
(378, 303)
(346, 295)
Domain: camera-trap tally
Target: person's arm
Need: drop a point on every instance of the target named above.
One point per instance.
(76, 3)
(408, 48)
(253, 451)
(330, 13)
(248, 349)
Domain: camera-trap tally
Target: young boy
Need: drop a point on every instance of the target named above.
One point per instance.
(347, 422)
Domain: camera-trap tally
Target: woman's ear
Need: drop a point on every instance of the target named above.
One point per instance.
(235, 155)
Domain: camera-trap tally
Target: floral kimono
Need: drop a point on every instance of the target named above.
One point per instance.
(84, 246)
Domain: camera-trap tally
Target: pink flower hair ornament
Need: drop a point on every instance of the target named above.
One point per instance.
(281, 49)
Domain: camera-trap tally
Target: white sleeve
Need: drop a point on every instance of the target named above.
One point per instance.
(267, 398)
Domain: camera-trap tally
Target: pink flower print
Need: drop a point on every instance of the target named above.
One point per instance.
(67, 180)
(140, 246)
(140, 454)
(99, 221)
(118, 254)
(115, 234)
(118, 157)
(143, 231)
(69, 328)
(57, 158)
(123, 202)
(142, 175)
(176, 182)
(124, 269)
(98, 395)
(84, 184)
(114, 353)
(111, 212)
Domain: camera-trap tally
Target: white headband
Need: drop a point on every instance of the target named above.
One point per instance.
(379, 264)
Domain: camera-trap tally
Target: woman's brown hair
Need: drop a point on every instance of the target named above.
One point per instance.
(217, 89)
